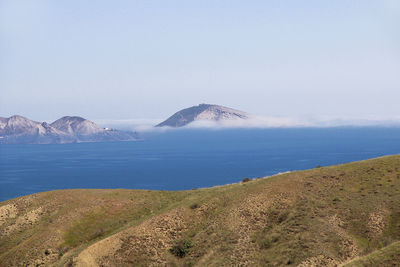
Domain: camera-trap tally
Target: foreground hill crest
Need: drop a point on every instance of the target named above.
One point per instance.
(347, 215)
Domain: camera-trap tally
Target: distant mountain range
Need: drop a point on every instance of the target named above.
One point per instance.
(204, 112)
(18, 129)
(72, 129)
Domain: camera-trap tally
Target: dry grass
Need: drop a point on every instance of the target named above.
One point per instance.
(325, 216)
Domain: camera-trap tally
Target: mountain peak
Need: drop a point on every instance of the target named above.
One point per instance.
(15, 118)
(208, 112)
(72, 118)
(18, 124)
(76, 125)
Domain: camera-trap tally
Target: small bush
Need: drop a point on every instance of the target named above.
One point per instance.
(99, 232)
(274, 237)
(70, 263)
(63, 249)
(47, 252)
(283, 216)
(267, 242)
(194, 206)
(181, 248)
(245, 180)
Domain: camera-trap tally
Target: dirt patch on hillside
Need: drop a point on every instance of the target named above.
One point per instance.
(8, 211)
(349, 249)
(317, 261)
(376, 223)
(45, 259)
(252, 215)
(26, 220)
(146, 242)
(92, 255)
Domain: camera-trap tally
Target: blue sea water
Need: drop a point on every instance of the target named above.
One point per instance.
(185, 159)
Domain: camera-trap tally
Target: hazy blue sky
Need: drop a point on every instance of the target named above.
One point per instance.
(147, 59)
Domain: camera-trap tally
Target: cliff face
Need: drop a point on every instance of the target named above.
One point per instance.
(203, 112)
(18, 129)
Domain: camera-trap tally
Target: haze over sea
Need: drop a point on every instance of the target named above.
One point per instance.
(186, 159)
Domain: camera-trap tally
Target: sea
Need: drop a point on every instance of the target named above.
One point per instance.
(187, 159)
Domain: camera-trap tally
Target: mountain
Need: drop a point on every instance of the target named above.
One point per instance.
(343, 215)
(18, 129)
(203, 112)
(21, 125)
(77, 126)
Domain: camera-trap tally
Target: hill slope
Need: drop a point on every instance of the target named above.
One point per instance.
(203, 112)
(320, 217)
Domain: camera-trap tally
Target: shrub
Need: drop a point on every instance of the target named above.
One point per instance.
(283, 216)
(47, 252)
(274, 237)
(266, 243)
(181, 248)
(194, 206)
(63, 249)
(269, 241)
(99, 232)
(245, 180)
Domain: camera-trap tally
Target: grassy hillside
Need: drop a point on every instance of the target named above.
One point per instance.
(347, 214)
(387, 256)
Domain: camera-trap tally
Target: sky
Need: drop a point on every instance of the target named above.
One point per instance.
(119, 60)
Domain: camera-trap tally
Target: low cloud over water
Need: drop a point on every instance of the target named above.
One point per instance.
(145, 125)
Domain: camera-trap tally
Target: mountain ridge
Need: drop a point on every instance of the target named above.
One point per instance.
(68, 129)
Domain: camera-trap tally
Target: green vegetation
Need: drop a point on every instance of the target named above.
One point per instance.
(323, 217)
(194, 206)
(245, 180)
(181, 248)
